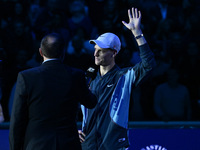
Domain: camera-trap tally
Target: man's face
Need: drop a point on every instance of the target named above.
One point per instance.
(103, 56)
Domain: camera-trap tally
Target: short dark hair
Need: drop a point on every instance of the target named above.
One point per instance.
(52, 45)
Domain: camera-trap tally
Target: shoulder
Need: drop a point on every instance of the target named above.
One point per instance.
(162, 86)
(125, 70)
(183, 87)
(74, 70)
(29, 71)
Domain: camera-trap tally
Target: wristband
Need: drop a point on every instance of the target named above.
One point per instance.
(139, 36)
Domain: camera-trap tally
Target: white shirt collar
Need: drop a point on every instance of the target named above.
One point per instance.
(50, 59)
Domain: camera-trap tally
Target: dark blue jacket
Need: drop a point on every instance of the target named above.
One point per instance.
(106, 125)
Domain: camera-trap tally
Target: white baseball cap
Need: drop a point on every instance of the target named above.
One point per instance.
(108, 40)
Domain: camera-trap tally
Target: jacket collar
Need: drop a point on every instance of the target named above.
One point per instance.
(50, 62)
(114, 68)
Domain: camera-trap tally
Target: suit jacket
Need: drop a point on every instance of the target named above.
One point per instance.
(45, 106)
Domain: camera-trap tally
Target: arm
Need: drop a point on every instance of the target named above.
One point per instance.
(148, 61)
(19, 116)
(134, 25)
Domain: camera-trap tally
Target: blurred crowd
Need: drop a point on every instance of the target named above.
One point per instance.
(171, 93)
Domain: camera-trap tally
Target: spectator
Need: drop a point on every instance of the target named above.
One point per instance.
(191, 74)
(161, 10)
(17, 38)
(79, 53)
(95, 11)
(148, 87)
(1, 110)
(172, 100)
(1, 114)
(79, 18)
(51, 18)
(20, 13)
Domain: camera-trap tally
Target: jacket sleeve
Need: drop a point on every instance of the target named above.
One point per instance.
(19, 115)
(145, 66)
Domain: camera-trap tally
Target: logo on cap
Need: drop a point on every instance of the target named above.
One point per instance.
(108, 40)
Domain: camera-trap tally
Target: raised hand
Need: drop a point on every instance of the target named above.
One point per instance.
(134, 19)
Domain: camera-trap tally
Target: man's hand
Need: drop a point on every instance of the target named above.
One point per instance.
(81, 136)
(134, 25)
(134, 20)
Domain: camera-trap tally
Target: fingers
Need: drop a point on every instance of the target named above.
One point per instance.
(134, 18)
(124, 23)
(135, 13)
(129, 14)
(81, 136)
(139, 12)
(82, 133)
(81, 139)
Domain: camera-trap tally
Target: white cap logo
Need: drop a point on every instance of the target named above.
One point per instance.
(108, 40)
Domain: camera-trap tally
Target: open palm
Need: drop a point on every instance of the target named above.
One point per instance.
(134, 19)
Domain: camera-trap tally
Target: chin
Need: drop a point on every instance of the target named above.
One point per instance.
(97, 63)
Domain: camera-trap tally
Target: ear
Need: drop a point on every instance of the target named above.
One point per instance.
(114, 53)
(40, 51)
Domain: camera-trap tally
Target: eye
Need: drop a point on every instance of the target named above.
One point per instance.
(103, 51)
(98, 51)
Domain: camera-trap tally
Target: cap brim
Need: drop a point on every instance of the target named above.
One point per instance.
(99, 43)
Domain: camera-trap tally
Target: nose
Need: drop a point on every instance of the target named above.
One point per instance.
(96, 53)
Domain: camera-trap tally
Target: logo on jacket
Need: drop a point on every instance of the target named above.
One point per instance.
(109, 85)
(154, 147)
(121, 140)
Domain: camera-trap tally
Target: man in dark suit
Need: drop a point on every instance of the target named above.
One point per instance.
(46, 102)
